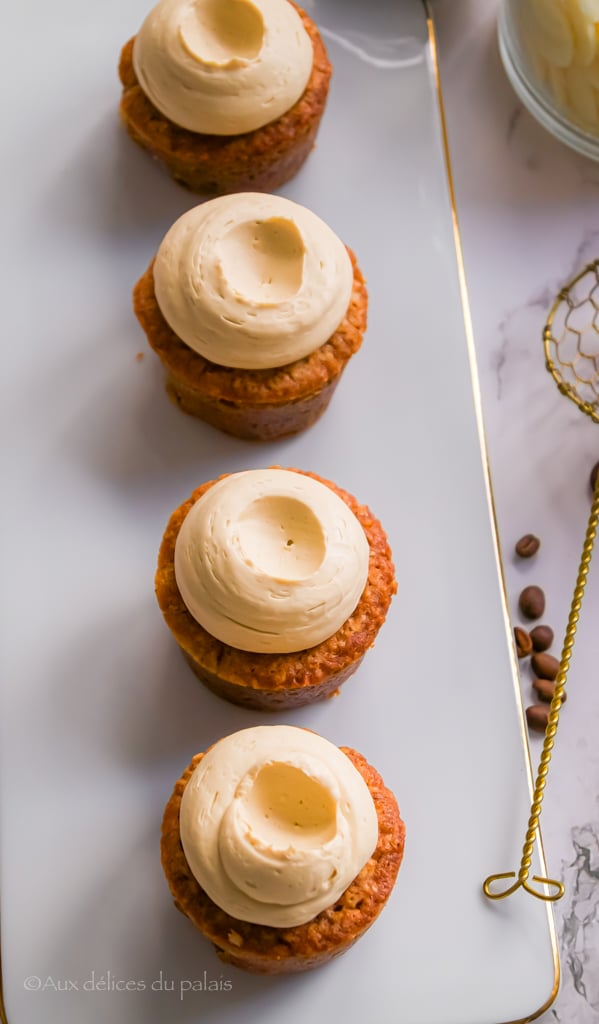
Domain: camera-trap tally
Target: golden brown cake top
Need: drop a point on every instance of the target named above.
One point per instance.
(300, 379)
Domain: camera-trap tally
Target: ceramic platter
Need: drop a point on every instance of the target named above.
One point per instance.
(99, 712)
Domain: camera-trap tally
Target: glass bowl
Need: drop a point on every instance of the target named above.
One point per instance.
(550, 52)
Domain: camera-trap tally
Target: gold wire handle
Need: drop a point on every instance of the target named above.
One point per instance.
(579, 358)
(557, 889)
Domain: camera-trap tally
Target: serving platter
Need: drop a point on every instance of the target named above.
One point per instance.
(99, 712)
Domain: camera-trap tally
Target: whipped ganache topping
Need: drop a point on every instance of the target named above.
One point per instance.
(252, 281)
(223, 67)
(271, 561)
(275, 824)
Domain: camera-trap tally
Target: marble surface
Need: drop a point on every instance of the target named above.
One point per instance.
(529, 217)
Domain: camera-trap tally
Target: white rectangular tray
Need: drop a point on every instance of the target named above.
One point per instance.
(99, 712)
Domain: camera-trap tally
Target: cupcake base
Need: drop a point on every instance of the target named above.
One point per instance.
(272, 700)
(274, 682)
(257, 161)
(265, 950)
(251, 422)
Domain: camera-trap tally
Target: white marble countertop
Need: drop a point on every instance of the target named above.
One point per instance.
(529, 218)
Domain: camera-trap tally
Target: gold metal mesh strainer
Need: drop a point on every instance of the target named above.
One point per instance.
(571, 341)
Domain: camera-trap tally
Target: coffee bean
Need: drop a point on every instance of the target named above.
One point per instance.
(523, 642)
(532, 602)
(537, 716)
(528, 545)
(542, 637)
(544, 665)
(545, 688)
(593, 476)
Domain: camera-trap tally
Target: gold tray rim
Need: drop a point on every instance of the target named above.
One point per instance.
(469, 332)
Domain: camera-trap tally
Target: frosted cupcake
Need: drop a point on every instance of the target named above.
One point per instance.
(281, 848)
(228, 94)
(275, 584)
(254, 307)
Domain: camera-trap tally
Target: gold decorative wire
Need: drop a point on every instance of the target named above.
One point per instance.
(571, 341)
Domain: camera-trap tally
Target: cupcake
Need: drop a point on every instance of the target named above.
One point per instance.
(274, 584)
(228, 94)
(281, 848)
(254, 308)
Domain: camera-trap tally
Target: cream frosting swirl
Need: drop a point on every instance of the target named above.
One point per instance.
(271, 561)
(252, 281)
(223, 67)
(275, 823)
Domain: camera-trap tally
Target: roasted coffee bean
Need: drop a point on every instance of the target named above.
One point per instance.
(523, 642)
(528, 545)
(537, 716)
(542, 638)
(545, 666)
(532, 602)
(593, 476)
(545, 688)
